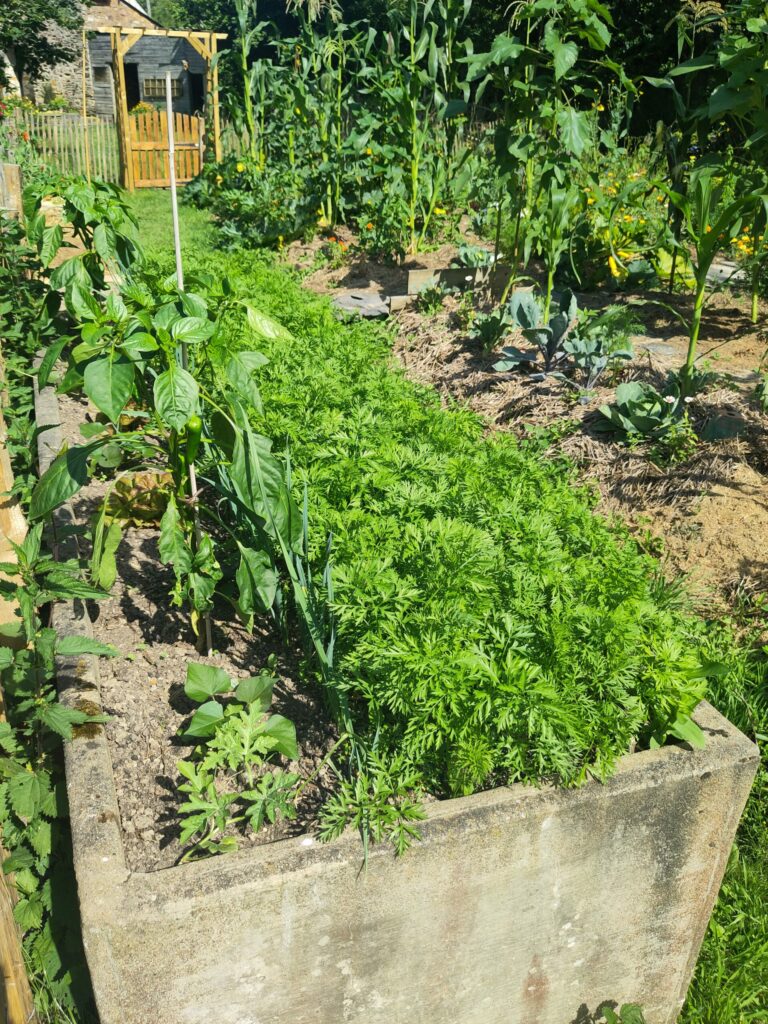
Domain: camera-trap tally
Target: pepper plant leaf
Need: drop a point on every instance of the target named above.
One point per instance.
(108, 382)
(63, 479)
(176, 396)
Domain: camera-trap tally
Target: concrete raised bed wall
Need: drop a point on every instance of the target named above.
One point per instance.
(520, 905)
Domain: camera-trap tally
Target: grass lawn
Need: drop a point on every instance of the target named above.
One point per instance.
(153, 210)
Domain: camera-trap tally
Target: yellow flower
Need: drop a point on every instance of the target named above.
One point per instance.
(240, 168)
(296, 110)
(369, 152)
(219, 179)
(439, 211)
(628, 218)
(590, 201)
(600, 106)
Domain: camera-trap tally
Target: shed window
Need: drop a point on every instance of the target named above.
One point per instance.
(154, 88)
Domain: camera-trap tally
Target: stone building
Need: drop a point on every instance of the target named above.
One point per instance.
(145, 64)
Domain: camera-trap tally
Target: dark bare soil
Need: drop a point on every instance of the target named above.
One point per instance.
(142, 690)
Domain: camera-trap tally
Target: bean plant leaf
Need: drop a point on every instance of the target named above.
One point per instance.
(62, 480)
(203, 681)
(256, 688)
(108, 383)
(282, 736)
(206, 720)
(176, 396)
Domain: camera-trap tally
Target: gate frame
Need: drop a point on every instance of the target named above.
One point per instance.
(122, 40)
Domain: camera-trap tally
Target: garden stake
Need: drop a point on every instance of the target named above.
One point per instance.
(193, 490)
(86, 141)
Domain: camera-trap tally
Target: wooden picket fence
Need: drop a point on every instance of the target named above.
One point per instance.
(60, 142)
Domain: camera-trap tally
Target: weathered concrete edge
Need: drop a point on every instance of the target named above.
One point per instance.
(105, 884)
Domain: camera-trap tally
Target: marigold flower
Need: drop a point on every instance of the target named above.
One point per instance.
(369, 226)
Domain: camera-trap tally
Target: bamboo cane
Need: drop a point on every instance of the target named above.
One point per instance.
(85, 112)
(193, 489)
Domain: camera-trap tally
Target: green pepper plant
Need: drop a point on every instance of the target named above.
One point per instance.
(98, 217)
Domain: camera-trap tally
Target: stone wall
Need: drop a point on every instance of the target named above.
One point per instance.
(65, 80)
(115, 13)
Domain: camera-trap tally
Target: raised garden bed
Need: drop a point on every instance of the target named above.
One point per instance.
(520, 905)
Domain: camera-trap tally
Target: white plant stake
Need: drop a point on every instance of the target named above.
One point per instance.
(180, 281)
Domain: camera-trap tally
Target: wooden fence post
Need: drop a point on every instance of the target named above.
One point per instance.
(10, 190)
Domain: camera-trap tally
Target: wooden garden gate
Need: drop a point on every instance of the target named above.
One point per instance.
(148, 148)
(143, 137)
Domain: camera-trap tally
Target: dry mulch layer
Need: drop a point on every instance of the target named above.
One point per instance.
(142, 690)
